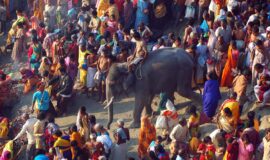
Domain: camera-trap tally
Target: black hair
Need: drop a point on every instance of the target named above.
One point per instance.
(83, 109)
(251, 115)
(62, 69)
(94, 13)
(74, 128)
(62, 61)
(159, 138)
(227, 111)
(40, 151)
(207, 139)
(245, 137)
(192, 110)
(58, 133)
(41, 116)
(136, 35)
(212, 75)
(247, 72)
(92, 119)
(160, 149)
(3, 76)
(258, 66)
(51, 119)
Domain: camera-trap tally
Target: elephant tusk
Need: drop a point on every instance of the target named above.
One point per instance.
(109, 103)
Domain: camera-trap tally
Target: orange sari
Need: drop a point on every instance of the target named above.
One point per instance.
(227, 78)
(147, 134)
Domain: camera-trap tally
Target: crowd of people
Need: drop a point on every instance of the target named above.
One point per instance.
(70, 42)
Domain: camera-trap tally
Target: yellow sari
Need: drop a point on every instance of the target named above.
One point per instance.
(83, 72)
(38, 9)
(102, 7)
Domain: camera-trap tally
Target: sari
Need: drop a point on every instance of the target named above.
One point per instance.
(141, 16)
(19, 46)
(82, 63)
(233, 105)
(39, 7)
(113, 10)
(231, 63)
(147, 134)
(102, 7)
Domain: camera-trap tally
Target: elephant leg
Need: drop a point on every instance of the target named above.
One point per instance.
(148, 107)
(188, 93)
(141, 99)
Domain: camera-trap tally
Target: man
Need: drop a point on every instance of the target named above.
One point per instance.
(140, 52)
(105, 139)
(103, 66)
(225, 31)
(50, 15)
(28, 128)
(261, 92)
(95, 22)
(41, 99)
(240, 83)
(64, 91)
(91, 71)
(180, 132)
(95, 148)
(265, 145)
(121, 136)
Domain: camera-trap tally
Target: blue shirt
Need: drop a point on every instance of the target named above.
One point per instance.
(41, 157)
(44, 97)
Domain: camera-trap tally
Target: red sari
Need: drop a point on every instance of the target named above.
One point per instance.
(227, 77)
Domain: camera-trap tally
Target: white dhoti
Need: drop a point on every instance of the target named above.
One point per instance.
(119, 152)
(257, 91)
(90, 83)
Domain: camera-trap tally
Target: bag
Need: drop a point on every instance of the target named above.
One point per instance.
(190, 12)
(161, 122)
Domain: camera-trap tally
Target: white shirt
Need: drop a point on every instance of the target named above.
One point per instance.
(28, 128)
(179, 133)
(106, 141)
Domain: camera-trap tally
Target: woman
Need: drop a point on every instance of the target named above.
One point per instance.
(128, 14)
(83, 123)
(231, 64)
(35, 56)
(19, 45)
(225, 120)
(211, 95)
(147, 134)
(102, 6)
(83, 52)
(201, 57)
(245, 148)
(39, 6)
(41, 99)
(142, 13)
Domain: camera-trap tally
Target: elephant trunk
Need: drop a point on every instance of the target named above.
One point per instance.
(109, 106)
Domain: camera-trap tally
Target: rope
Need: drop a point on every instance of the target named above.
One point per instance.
(138, 72)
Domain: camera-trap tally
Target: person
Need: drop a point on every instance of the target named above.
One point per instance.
(258, 56)
(225, 31)
(72, 66)
(3, 17)
(180, 132)
(231, 150)
(225, 120)
(18, 50)
(103, 66)
(252, 120)
(102, 7)
(160, 44)
(140, 53)
(39, 131)
(113, 10)
(94, 24)
(201, 57)
(252, 133)
(38, 9)
(41, 99)
(264, 146)
(128, 14)
(121, 136)
(246, 148)
(203, 7)
(29, 79)
(161, 153)
(234, 107)
(142, 12)
(240, 83)
(75, 136)
(261, 90)
(49, 15)
(230, 66)
(211, 95)
(62, 145)
(96, 149)
(105, 139)
(155, 143)
(147, 134)
(28, 129)
(91, 71)
(83, 52)
(35, 55)
(207, 149)
(82, 123)
(50, 130)
(64, 90)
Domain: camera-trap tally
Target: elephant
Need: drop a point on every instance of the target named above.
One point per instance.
(165, 70)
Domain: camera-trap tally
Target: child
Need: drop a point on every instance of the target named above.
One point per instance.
(194, 144)
(206, 149)
(231, 150)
